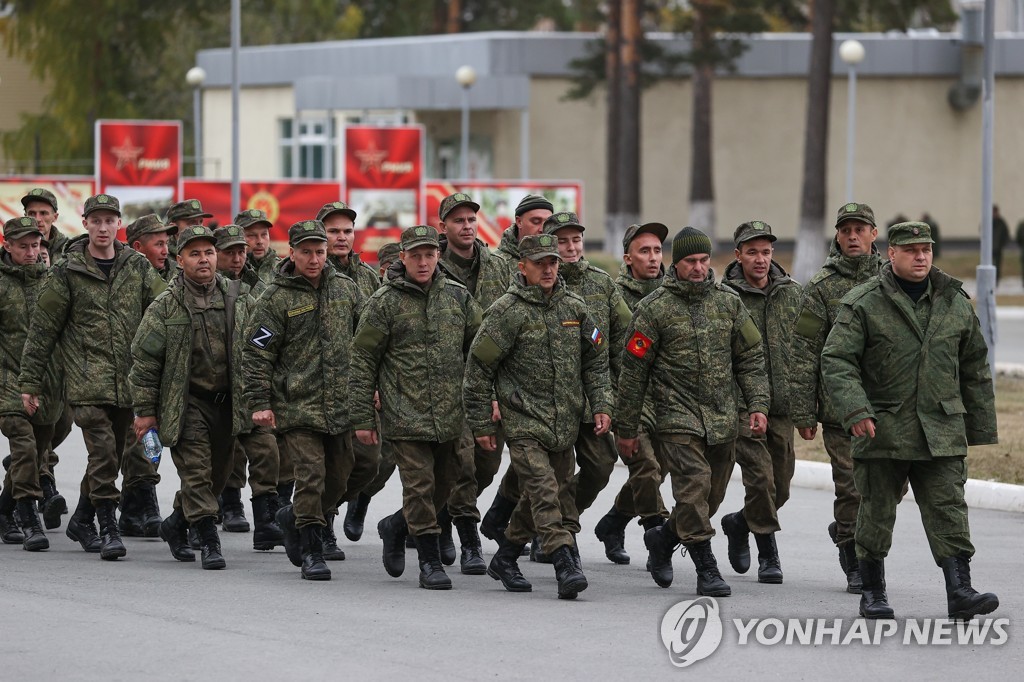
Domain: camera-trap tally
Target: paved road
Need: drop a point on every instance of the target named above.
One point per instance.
(65, 614)
(1010, 335)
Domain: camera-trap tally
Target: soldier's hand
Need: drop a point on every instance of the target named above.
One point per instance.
(488, 443)
(30, 403)
(602, 424)
(142, 425)
(865, 427)
(627, 446)
(758, 423)
(808, 433)
(495, 412)
(376, 400)
(264, 418)
(366, 436)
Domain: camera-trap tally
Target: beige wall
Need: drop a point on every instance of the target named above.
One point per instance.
(261, 108)
(20, 92)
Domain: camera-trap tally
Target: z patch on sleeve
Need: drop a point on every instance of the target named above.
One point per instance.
(638, 345)
(261, 337)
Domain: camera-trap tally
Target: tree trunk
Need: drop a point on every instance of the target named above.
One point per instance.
(613, 42)
(629, 136)
(702, 182)
(454, 22)
(811, 238)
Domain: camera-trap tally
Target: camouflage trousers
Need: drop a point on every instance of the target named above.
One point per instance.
(323, 463)
(700, 475)
(428, 471)
(61, 431)
(838, 447)
(385, 469)
(203, 456)
(258, 448)
(766, 463)
(641, 493)
(107, 430)
(29, 444)
(546, 507)
(477, 469)
(939, 491)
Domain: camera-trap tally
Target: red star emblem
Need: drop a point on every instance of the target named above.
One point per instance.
(127, 153)
(370, 157)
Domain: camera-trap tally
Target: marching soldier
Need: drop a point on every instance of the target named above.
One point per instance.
(262, 256)
(149, 236)
(184, 214)
(41, 204)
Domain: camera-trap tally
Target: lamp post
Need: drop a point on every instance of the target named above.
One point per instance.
(466, 77)
(852, 54)
(195, 77)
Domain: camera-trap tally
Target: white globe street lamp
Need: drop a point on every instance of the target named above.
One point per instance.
(852, 54)
(466, 77)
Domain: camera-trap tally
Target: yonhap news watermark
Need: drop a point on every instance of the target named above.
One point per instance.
(693, 630)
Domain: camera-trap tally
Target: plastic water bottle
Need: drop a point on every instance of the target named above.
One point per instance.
(152, 445)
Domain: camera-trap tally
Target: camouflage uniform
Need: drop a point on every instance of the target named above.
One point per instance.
(56, 241)
(266, 267)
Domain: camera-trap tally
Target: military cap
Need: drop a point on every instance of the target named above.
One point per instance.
(304, 230)
(388, 253)
(229, 235)
(453, 201)
(531, 202)
(902, 234)
(420, 235)
(336, 207)
(148, 224)
(16, 228)
(657, 229)
(251, 217)
(40, 194)
(855, 211)
(101, 202)
(563, 219)
(754, 229)
(688, 242)
(183, 210)
(191, 234)
(537, 247)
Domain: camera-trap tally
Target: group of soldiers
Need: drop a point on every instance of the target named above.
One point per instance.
(318, 375)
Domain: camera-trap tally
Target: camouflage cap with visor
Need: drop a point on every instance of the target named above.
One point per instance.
(537, 247)
(561, 220)
(419, 235)
(228, 236)
(905, 234)
(657, 229)
(305, 230)
(336, 207)
(184, 210)
(388, 254)
(754, 229)
(101, 202)
(453, 201)
(251, 217)
(16, 228)
(194, 233)
(148, 224)
(855, 211)
(40, 194)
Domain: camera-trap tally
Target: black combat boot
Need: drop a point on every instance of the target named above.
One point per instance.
(212, 558)
(709, 579)
(472, 561)
(847, 560)
(355, 517)
(769, 569)
(292, 543)
(53, 504)
(537, 554)
(571, 580)
(35, 538)
(10, 534)
(962, 600)
(194, 541)
(652, 522)
(432, 575)
(874, 603)
(496, 518)
(131, 523)
(393, 531)
(738, 532)
(234, 511)
(331, 551)
(174, 531)
(505, 567)
(266, 533)
(312, 550)
(446, 542)
(661, 543)
(111, 547)
(149, 508)
(611, 530)
(82, 527)
(284, 492)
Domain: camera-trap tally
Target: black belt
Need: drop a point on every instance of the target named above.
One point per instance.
(209, 396)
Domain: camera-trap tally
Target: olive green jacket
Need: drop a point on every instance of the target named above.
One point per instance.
(690, 343)
(162, 352)
(298, 347)
(170, 271)
(492, 273)
(927, 386)
(410, 345)
(810, 402)
(508, 252)
(542, 357)
(266, 268)
(607, 308)
(365, 277)
(633, 291)
(58, 242)
(94, 320)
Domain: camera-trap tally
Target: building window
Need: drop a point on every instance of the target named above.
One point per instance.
(307, 148)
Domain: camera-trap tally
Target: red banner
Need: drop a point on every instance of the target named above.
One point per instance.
(71, 192)
(384, 175)
(139, 162)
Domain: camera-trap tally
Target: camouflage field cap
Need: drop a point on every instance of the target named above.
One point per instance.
(183, 210)
(336, 207)
(903, 234)
(16, 228)
(148, 224)
(657, 229)
(101, 202)
(855, 211)
(40, 194)
(229, 235)
(755, 229)
(537, 247)
(532, 202)
(193, 233)
(561, 220)
(453, 201)
(305, 230)
(388, 254)
(251, 217)
(420, 235)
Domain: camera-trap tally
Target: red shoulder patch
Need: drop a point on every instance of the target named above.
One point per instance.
(638, 345)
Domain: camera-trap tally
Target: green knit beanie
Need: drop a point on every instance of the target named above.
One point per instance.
(689, 241)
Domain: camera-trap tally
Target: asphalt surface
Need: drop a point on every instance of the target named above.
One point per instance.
(1010, 335)
(68, 615)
